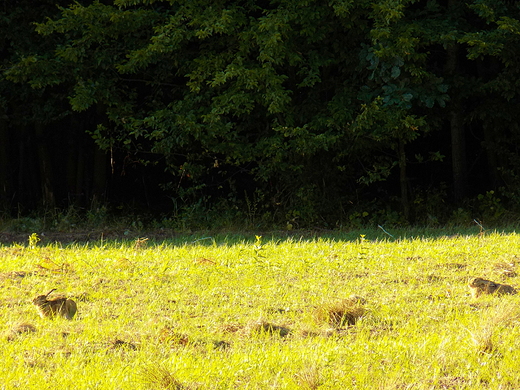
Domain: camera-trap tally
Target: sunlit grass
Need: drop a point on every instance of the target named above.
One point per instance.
(263, 313)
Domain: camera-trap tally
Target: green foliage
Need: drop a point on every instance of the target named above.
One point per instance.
(311, 101)
(33, 240)
(490, 206)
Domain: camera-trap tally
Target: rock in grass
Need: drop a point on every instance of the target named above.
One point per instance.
(479, 286)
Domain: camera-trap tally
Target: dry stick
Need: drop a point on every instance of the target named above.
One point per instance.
(200, 239)
(481, 227)
(383, 229)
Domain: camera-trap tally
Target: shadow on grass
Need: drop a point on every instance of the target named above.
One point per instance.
(208, 238)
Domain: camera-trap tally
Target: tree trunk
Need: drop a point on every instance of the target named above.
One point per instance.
(27, 189)
(100, 176)
(456, 115)
(458, 152)
(492, 156)
(403, 181)
(99, 166)
(45, 165)
(5, 177)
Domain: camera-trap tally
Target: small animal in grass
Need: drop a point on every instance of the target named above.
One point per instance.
(52, 307)
(479, 286)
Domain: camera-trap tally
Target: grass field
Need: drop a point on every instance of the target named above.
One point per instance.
(229, 312)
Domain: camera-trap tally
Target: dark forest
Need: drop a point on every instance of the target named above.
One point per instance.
(269, 113)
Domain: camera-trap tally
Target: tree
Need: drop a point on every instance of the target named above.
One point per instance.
(24, 110)
(304, 101)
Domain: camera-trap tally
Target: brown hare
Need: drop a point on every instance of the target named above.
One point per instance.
(479, 286)
(53, 307)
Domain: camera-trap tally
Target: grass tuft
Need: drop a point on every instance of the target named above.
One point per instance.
(170, 336)
(264, 327)
(309, 378)
(497, 317)
(19, 330)
(483, 340)
(343, 313)
(159, 377)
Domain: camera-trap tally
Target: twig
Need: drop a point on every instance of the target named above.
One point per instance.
(480, 225)
(383, 229)
(200, 239)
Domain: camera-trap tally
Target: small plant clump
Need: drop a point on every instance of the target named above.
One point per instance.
(343, 313)
(20, 330)
(483, 340)
(159, 377)
(309, 378)
(121, 344)
(263, 327)
(170, 336)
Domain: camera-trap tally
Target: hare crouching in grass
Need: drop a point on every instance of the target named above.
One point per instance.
(53, 307)
(479, 286)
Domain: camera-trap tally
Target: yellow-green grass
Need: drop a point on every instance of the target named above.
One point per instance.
(231, 313)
